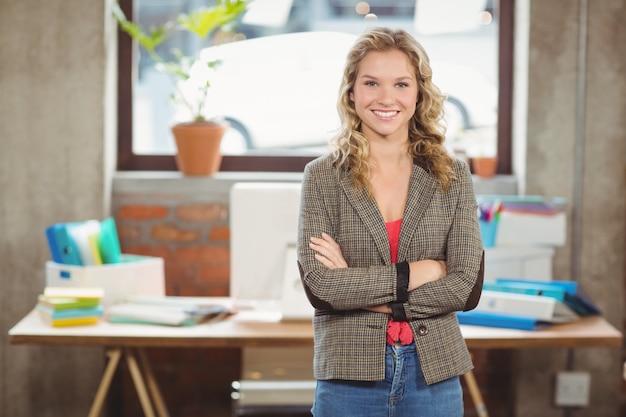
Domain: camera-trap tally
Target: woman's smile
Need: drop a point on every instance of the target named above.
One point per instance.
(386, 114)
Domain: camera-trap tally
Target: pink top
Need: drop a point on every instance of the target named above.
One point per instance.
(396, 330)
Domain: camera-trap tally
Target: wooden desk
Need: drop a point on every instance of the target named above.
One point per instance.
(128, 340)
(236, 333)
(592, 331)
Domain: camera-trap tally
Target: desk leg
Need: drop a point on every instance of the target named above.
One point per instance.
(140, 385)
(152, 385)
(477, 398)
(114, 359)
(141, 374)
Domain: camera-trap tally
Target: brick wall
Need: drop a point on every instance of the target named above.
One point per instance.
(190, 230)
(193, 240)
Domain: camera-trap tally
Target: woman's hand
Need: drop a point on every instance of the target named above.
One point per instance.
(327, 251)
(425, 271)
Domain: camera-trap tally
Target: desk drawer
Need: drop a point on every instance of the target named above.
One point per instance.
(260, 398)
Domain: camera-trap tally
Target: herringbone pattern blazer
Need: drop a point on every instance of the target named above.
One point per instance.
(349, 341)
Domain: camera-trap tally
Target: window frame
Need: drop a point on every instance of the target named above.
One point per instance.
(127, 160)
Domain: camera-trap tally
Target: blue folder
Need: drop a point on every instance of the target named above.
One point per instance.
(63, 249)
(502, 320)
(521, 287)
(568, 292)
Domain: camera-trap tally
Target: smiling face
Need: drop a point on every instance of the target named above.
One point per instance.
(385, 94)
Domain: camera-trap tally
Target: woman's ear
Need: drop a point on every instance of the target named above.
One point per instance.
(351, 96)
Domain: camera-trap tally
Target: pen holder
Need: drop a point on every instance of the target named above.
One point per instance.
(488, 232)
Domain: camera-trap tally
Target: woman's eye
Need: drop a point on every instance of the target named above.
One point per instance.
(402, 85)
(370, 83)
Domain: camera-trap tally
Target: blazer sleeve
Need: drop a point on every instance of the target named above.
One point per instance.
(369, 283)
(460, 290)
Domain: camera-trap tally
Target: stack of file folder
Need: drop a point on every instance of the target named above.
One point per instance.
(529, 304)
(89, 242)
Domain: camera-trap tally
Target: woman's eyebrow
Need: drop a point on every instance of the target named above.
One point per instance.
(400, 78)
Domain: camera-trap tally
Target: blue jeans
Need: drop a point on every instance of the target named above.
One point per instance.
(403, 393)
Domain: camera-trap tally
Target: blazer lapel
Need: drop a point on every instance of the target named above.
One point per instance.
(368, 211)
(422, 188)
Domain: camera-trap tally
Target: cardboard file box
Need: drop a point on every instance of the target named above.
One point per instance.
(136, 275)
(518, 262)
(532, 229)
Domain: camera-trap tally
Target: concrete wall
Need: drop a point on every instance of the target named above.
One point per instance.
(576, 148)
(54, 166)
(57, 136)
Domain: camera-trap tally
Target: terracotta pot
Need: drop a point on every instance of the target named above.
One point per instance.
(198, 147)
(485, 167)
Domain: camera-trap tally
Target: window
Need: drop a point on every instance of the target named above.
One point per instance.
(282, 110)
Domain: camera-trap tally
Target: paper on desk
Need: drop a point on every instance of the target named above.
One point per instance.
(169, 310)
(189, 303)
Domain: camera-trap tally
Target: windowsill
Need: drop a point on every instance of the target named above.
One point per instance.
(125, 181)
(175, 181)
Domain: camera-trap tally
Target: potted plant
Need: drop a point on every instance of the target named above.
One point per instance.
(198, 137)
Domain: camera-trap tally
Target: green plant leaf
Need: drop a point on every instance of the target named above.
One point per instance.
(147, 39)
(204, 21)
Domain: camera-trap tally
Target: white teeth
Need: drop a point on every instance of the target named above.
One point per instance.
(385, 113)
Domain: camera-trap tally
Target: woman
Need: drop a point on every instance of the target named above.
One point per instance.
(389, 246)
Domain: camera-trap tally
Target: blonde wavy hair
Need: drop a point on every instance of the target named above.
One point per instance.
(426, 131)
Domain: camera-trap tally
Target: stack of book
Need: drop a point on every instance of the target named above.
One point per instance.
(529, 304)
(70, 306)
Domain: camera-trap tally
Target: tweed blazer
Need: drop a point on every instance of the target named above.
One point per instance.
(350, 341)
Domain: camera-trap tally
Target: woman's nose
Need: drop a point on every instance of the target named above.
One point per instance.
(386, 96)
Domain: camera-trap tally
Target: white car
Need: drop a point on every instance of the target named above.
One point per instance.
(280, 92)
